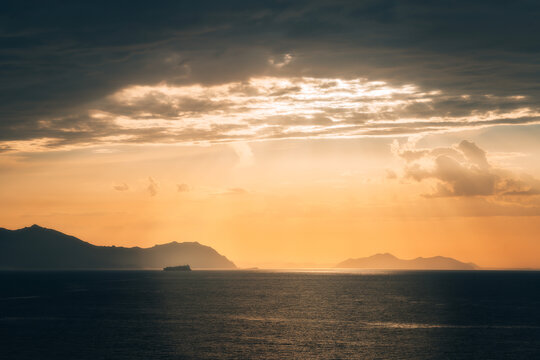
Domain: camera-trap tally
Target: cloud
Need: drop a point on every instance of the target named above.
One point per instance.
(280, 61)
(474, 154)
(152, 187)
(239, 112)
(244, 153)
(182, 187)
(122, 187)
(463, 171)
(62, 68)
(234, 191)
(390, 174)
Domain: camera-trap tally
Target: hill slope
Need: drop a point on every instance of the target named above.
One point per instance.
(389, 261)
(36, 247)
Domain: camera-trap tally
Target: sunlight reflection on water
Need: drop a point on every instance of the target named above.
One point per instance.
(315, 314)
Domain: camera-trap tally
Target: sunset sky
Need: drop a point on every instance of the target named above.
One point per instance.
(281, 133)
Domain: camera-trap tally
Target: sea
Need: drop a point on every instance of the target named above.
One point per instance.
(281, 314)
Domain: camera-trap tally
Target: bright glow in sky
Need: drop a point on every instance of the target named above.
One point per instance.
(279, 133)
(267, 108)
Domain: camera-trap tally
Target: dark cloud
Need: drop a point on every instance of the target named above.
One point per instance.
(464, 170)
(62, 59)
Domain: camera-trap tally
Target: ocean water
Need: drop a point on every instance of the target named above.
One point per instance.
(269, 315)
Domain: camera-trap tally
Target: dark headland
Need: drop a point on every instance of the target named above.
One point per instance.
(36, 247)
(389, 261)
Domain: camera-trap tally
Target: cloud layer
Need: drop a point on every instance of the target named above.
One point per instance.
(273, 108)
(471, 63)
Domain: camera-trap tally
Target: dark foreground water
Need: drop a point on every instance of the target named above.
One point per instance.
(269, 315)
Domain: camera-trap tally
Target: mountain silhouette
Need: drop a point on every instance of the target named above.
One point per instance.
(36, 247)
(389, 261)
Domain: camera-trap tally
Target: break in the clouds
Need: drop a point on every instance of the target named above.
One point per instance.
(463, 170)
(213, 71)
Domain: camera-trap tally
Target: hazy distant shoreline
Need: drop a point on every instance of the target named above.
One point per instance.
(37, 248)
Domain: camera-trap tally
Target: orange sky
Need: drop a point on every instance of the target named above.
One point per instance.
(279, 133)
(309, 202)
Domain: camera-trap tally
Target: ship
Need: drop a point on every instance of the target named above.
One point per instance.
(177, 268)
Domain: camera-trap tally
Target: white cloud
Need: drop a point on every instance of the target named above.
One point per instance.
(463, 170)
(244, 153)
(267, 108)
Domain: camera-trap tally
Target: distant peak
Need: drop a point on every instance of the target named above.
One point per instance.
(389, 261)
(173, 243)
(386, 255)
(36, 247)
(178, 243)
(35, 227)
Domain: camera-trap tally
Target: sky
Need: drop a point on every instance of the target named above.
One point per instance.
(281, 133)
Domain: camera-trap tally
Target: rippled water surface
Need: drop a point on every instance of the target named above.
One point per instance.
(269, 315)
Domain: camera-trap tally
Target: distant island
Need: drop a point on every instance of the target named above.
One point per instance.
(36, 247)
(389, 261)
(177, 268)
